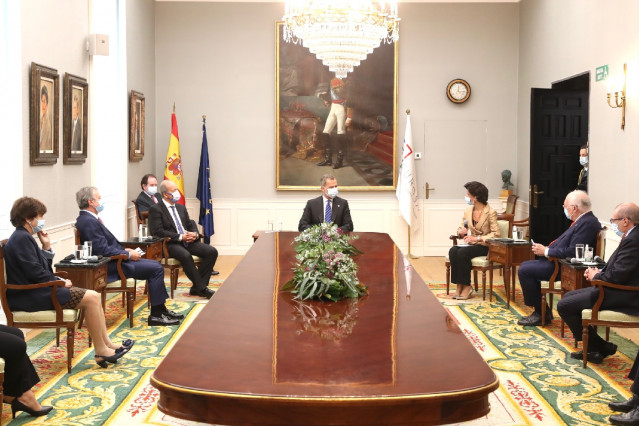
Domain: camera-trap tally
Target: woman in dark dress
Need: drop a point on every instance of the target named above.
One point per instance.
(19, 374)
(26, 263)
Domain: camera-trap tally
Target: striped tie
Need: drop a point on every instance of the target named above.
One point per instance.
(327, 212)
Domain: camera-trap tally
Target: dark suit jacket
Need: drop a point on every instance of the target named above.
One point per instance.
(314, 214)
(582, 180)
(76, 143)
(145, 202)
(584, 231)
(622, 268)
(25, 264)
(161, 223)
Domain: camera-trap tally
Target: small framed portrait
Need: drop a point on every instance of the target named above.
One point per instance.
(136, 134)
(76, 112)
(44, 115)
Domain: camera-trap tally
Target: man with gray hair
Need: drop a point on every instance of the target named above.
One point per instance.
(327, 208)
(622, 268)
(583, 230)
(91, 228)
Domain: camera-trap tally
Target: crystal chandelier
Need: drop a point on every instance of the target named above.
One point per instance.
(341, 33)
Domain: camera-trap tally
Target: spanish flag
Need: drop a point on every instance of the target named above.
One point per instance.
(173, 166)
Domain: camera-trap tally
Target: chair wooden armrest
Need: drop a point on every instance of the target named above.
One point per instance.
(165, 248)
(454, 238)
(120, 258)
(54, 297)
(602, 285)
(506, 216)
(553, 277)
(144, 215)
(62, 274)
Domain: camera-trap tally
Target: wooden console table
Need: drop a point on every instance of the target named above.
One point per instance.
(270, 359)
(92, 276)
(510, 254)
(152, 246)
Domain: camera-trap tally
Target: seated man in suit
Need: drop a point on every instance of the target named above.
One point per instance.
(327, 208)
(583, 230)
(147, 197)
(169, 219)
(92, 229)
(622, 268)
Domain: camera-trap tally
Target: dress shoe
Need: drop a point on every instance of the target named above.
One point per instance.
(207, 292)
(163, 319)
(531, 320)
(594, 357)
(215, 273)
(113, 359)
(173, 314)
(466, 297)
(629, 418)
(18, 406)
(625, 406)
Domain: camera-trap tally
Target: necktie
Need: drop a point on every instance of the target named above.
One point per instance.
(177, 220)
(327, 212)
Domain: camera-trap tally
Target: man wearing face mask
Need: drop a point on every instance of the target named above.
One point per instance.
(92, 229)
(147, 197)
(583, 230)
(582, 181)
(327, 208)
(622, 268)
(170, 219)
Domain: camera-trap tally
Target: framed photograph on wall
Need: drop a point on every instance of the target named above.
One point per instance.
(75, 119)
(44, 115)
(346, 127)
(136, 133)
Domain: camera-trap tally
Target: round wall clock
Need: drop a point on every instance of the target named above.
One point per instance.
(458, 91)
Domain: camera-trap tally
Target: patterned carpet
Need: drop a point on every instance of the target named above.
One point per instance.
(540, 383)
(92, 395)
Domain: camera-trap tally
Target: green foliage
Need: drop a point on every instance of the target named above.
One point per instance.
(324, 268)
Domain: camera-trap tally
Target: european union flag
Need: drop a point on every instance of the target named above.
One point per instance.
(204, 190)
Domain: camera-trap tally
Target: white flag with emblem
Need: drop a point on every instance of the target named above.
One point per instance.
(407, 180)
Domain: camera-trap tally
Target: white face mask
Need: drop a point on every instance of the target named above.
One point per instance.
(176, 196)
(152, 190)
(468, 201)
(583, 161)
(332, 192)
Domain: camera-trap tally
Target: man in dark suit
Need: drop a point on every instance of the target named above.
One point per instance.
(582, 180)
(583, 230)
(147, 198)
(622, 268)
(104, 242)
(327, 208)
(76, 127)
(169, 219)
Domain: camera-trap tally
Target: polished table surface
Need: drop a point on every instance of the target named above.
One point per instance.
(256, 356)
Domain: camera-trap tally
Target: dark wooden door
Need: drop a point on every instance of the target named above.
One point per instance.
(558, 127)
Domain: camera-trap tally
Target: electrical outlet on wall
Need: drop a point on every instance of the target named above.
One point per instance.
(418, 156)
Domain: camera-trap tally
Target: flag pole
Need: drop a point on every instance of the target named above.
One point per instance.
(410, 255)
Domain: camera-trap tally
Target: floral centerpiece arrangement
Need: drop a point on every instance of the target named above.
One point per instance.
(325, 269)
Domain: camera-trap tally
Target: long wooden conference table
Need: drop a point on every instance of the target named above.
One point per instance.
(254, 355)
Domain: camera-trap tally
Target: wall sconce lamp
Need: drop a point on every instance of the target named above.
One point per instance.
(620, 99)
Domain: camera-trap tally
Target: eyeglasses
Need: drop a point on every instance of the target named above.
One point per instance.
(613, 219)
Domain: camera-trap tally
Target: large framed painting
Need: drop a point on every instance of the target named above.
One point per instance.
(44, 115)
(346, 127)
(136, 133)
(75, 119)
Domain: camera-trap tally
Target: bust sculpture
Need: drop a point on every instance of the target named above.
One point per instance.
(505, 177)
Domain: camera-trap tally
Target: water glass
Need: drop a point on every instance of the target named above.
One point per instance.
(589, 253)
(270, 225)
(88, 249)
(520, 234)
(579, 252)
(144, 232)
(79, 252)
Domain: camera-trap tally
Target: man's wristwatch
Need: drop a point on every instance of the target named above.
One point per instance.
(479, 238)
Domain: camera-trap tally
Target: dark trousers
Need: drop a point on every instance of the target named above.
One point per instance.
(531, 274)
(634, 376)
(460, 262)
(199, 276)
(143, 269)
(570, 307)
(19, 373)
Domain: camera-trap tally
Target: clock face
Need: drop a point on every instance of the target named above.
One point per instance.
(458, 91)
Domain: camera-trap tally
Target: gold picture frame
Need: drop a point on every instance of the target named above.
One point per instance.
(137, 113)
(44, 115)
(366, 121)
(75, 119)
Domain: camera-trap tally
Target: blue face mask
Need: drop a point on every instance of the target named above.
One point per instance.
(39, 227)
(567, 214)
(99, 207)
(468, 201)
(615, 229)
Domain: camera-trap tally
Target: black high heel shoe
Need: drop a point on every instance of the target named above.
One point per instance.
(18, 406)
(112, 359)
(126, 346)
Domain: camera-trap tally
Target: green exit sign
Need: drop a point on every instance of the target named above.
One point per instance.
(601, 73)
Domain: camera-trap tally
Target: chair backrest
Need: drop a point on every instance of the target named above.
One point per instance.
(77, 236)
(600, 249)
(511, 202)
(141, 218)
(505, 228)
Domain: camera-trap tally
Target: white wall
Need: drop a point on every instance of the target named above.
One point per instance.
(562, 38)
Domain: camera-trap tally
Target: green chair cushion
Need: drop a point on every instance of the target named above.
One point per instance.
(546, 284)
(610, 316)
(1, 365)
(173, 261)
(130, 283)
(45, 316)
(480, 261)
